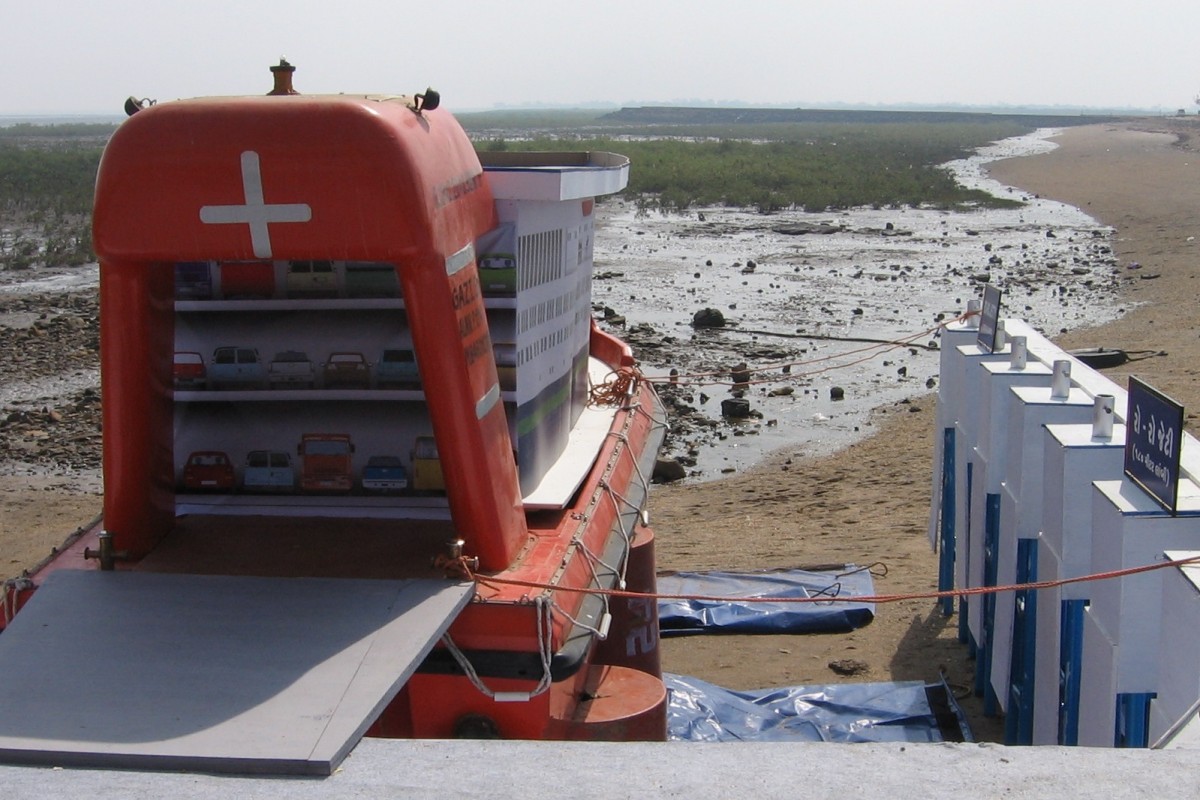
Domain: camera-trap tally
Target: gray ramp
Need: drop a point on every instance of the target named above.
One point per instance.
(210, 673)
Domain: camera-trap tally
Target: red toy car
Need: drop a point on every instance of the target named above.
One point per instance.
(208, 471)
(189, 371)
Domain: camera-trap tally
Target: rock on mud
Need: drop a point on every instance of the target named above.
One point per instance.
(735, 407)
(668, 470)
(708, 318)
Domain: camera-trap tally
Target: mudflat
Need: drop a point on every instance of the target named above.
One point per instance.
(868, 504)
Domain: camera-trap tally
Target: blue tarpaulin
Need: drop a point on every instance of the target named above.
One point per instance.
(727, 615)
(852, 712)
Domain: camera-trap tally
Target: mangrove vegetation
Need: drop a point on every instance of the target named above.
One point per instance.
(47, 173)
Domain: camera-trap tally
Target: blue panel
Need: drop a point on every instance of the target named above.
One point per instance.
(964, 627)
(1070, 670)
(991, 546)
(1018, 724)
(1133, 719)
(946, 561)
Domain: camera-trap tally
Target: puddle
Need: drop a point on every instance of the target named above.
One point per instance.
(50, 280)
(884, 274)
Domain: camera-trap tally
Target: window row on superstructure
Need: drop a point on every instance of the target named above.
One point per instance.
(547, 342)
(540, 258)
(553, 308)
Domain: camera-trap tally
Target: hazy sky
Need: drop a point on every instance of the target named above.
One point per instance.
(87, 56)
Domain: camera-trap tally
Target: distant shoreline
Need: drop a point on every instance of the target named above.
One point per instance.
(9, 120)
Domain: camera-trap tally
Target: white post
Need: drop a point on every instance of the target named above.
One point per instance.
(973, 309)
(1020, 355)
(1060, 384)
(1102, 417)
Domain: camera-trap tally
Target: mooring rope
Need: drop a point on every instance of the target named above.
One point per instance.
(871, 351)
(492, 580)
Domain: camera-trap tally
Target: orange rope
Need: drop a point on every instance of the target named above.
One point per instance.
(872, 350)
(614, 389)
(490, 581)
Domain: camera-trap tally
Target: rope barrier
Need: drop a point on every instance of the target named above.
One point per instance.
(492, 581)
(696, 378)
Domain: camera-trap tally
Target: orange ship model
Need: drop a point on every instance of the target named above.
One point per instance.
(370, 466)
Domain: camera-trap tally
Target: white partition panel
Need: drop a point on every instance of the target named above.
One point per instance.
(1030, 409)
(1072, 459)
(1128, 530)
(1098, 698)
(1178, 686)
(988, 459)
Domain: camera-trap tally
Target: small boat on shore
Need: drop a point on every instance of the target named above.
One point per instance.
(437, 313)
(1100, 357)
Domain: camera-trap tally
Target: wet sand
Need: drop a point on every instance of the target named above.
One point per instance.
(870, 503)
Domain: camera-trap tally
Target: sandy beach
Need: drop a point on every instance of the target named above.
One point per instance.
(869, 504)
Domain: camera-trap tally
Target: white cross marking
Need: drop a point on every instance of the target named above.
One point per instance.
(255, 212)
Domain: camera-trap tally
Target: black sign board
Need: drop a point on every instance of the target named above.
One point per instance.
(1153, 441)
(988, 317)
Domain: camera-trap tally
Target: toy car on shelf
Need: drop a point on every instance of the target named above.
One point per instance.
(237, 368)
(291, 369)
(427, 466)
(193, 280)
(325, 462)
(384, 475)
(208, 471)
(311, 279)
(268, 471)
(498, 274)
(346, 371)
(371, 279)
(397, 369)
(189, 371)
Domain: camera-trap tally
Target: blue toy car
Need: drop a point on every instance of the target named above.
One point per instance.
(236, 368)
(397, 369)
(268, 471)
(384, 474)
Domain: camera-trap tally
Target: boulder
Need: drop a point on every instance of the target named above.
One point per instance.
(668, 470)
(708, 318)
(735, 408)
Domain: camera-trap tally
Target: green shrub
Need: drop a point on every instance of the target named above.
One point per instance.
(815, 166)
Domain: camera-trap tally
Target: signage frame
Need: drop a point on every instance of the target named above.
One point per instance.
(989, 316)
(1153, 443)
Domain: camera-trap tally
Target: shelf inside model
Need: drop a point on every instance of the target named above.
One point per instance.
(406, 506)
(317, 304)
(290, 395)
